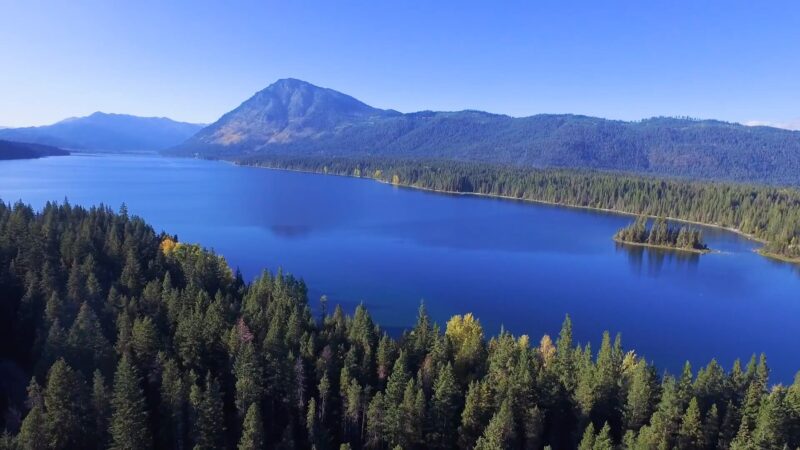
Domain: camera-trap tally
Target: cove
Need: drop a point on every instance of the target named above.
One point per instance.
(514, 264)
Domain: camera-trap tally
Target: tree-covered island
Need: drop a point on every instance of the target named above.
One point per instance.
(662, 235)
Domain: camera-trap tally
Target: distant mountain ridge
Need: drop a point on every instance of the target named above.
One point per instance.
(295, 118)
(23, 150)
(108, 132)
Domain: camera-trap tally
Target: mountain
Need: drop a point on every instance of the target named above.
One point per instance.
(288, 111)
(295, 118)
(108, 132)
(22, 150)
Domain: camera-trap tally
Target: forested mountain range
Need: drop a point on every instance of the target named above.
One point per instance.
(127, 338)
(22, 150)
(295, 118)
(107, 132)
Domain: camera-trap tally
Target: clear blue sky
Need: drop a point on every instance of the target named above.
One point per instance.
(193, 61)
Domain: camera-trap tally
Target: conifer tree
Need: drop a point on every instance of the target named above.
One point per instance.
(33, 434)
(129, 423)
(587, 441)
(770, 430)
(252, 430)
(312, 426)
(711, 427)
(444, 409)
(565, 366)
(476, 414)
(641, 393)
(88, 347)
(65, 402)
(248, 373)
(500, 431)
(101, 410)
(690, 434)
(173, 405)
(603, 440)
(209, 422)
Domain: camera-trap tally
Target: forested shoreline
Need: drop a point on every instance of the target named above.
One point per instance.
(132, 339)
(769, 214)
(661, 235)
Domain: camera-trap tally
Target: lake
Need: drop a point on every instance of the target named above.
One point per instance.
(517, 265)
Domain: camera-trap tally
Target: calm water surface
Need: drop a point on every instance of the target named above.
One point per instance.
(513, 264)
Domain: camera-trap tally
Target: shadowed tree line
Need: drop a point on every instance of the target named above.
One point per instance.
(131, 339)
(661, 234)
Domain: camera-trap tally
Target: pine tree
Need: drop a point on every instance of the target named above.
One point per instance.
(393, 396)
(444, 409)
(144, 343)
(603, 440)
(248, 373)
(65, 401)
(209, 424)
(412, 415)
(690, 434)
(312, 426)
(173, 405)
(88, 347)
(252, 430)
(476, 415)
(101, 410)
(565, 365)
(587, 441)
(711, 427)
(770, 430)
(376, 418)
(129, 423)
(33, 435)
(641, 394)
(500, 431)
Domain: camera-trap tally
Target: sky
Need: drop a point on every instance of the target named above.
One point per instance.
(195, 60)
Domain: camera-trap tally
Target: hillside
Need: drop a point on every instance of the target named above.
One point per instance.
(107, 132)
(295, 118)
(21, 150)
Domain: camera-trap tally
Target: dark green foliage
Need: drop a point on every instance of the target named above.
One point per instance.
(66, 407)
(252, 430)
(33, 435)
(205, 361)
(661, 235)
(129, 419)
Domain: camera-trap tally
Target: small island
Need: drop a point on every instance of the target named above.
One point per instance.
(662, 235)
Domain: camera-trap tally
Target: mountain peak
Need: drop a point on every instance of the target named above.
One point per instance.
(287, 110)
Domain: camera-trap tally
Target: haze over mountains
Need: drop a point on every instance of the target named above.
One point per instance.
(107, 132)
(295, 118)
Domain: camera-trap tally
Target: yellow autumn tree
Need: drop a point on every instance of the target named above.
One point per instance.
(465, 335)
(547, 350)
(395, 179)
(168, 245)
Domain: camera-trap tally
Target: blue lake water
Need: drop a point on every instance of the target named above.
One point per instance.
(514, 264)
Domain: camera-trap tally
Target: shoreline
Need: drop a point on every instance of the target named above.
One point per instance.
(695, 251)
(522, 199)
(777, 257)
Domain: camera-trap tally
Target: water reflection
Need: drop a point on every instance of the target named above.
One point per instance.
(290, 231)
(651, 261)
